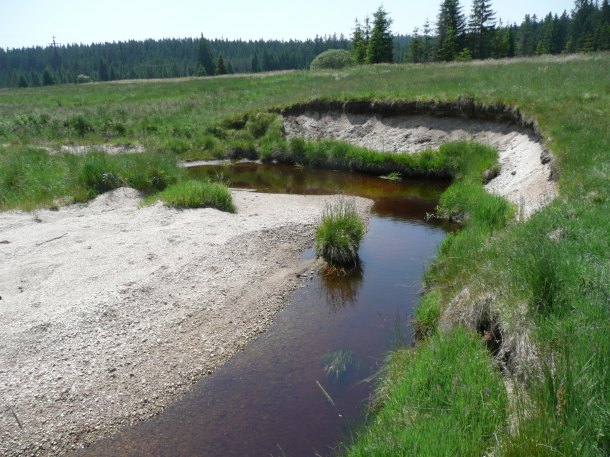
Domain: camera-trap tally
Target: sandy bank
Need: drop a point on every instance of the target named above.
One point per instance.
(109, 311)
(525, 173)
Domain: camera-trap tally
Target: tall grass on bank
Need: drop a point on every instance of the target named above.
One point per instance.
(444, 399)
(196, 194)
(339, 234)
(32, 178)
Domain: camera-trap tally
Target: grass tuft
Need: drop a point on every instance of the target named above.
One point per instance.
(339, 234)
(196, 194)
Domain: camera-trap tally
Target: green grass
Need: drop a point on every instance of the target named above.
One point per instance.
(196, 194)
(548, 277)
(444, 399)
(339, 234)
(32, 178)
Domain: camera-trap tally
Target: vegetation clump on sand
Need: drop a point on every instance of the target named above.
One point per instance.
(196, 194)
(339, 234)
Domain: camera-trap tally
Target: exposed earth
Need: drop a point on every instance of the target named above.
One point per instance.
(526, 168)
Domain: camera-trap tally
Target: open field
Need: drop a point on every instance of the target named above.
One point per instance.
(536, 292)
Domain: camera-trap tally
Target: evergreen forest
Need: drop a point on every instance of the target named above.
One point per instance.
(458, 33)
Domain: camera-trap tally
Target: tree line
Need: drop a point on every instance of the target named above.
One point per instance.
(166, 58)
(456, 35)
(480, 35)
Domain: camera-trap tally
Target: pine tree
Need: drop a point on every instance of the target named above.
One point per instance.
(427, 50)
(381, 44)
(220, 68)
(602, 34)
(254, 64)
(581, 36)
(35, 78)
(526, 37)
(47, 77)
(359, 44)
(450, 30)
(509, 42)
(200, 70)
(102, 71)
(415, 52)
(204, 56)
(480, 28)
(547, 36)
(267, 64)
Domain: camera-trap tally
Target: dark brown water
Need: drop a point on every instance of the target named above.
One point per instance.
(273, 398)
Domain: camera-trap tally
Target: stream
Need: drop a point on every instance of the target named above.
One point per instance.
(302, 387)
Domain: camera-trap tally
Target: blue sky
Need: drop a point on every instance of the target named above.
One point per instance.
(25, 23)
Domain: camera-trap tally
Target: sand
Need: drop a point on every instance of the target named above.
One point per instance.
(110, 311)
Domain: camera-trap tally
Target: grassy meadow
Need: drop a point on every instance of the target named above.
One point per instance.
(507, 303)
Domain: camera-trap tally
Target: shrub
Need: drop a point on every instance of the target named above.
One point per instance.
(83, 79)
(340, 232)
(197, 194)
(333, 59)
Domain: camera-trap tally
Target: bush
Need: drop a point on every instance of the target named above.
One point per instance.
(333, 59)
(83, 79)
(340, 232)
(197, 194)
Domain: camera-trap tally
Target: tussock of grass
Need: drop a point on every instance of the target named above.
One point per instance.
(339, 234)
(444, 399)
(196, 194)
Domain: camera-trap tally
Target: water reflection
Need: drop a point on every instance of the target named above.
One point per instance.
(341, 286)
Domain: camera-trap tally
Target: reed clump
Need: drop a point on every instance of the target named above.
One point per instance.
(339, 234)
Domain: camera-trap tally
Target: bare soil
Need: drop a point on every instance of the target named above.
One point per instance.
(526, 174)
(109, 311)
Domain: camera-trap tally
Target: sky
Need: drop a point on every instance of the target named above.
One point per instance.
(25, 23)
